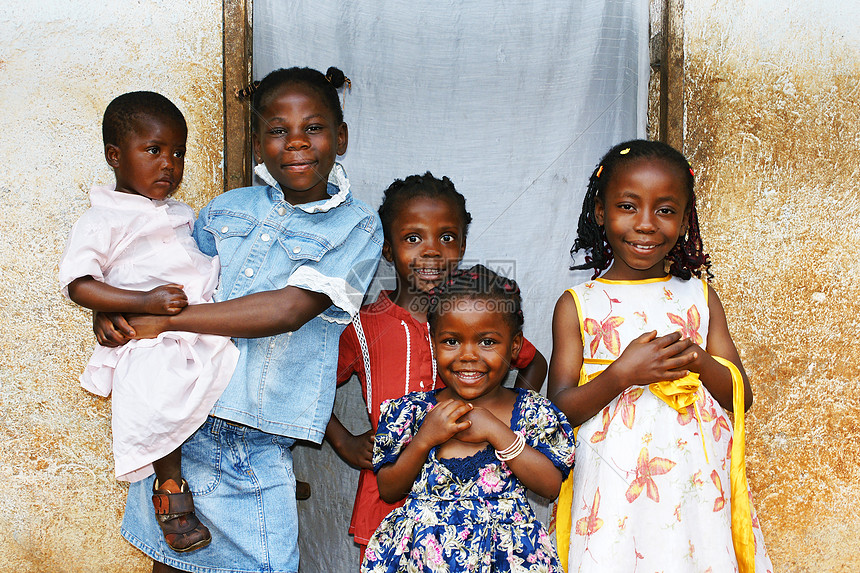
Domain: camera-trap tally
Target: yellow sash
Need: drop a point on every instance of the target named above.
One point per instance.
(679, 394)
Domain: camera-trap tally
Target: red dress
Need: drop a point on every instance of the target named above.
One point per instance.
(400, 359)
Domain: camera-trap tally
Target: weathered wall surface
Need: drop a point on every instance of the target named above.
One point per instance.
(772, 105)
(61, 62)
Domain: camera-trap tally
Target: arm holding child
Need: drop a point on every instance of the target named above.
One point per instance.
(253, 316)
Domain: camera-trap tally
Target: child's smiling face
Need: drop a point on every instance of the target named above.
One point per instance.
(299, 139)
(475, 343)
(427, 241)
(644, 211)
(150, 160)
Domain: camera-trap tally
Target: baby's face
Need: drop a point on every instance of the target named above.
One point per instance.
(150, 160)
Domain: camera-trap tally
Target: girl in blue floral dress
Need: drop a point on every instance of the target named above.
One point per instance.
(464, 455)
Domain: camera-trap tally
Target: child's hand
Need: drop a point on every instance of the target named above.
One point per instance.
(649, 359)
(111, 329)
(443, 422)
(699, 355)
(357, 451)
(165, 299)
(484, 424)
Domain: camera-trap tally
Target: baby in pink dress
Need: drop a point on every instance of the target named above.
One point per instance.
(132, 252)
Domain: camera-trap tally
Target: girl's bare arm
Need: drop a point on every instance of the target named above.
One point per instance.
(532, 376)
(716, 377)
(579, 403)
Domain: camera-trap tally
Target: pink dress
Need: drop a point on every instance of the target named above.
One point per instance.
(161, 389)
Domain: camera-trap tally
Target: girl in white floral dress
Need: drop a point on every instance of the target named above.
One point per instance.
(644, 361)
(466, 454)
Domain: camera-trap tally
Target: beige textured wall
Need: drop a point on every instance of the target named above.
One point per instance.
(772, 94)
(61, 62)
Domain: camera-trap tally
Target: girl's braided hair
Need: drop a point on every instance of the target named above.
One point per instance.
(500, 294)
(427, 185)
(687, 257)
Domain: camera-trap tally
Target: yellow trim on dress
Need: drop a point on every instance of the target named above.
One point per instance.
(632, 282)
(742, 529)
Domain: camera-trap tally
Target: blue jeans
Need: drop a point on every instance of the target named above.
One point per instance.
(244, 490)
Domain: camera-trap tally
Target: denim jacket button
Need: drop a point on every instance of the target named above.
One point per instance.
(225, 228)
(297, 250)
(249, 272)
(282, 211)
(265, 237)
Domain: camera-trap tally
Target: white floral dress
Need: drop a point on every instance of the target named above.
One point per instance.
(466, 514)
(651, 484)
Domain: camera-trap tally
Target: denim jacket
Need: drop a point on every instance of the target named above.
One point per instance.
(285, 384)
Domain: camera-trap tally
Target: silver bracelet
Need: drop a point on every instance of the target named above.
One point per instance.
(512, 451)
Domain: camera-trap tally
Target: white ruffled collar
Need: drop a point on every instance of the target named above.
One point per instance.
(337, 177)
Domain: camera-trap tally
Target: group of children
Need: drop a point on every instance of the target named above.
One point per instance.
(222, 340)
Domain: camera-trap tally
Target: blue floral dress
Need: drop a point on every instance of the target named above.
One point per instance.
(466, 514)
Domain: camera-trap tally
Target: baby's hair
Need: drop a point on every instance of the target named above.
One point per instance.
(403, 190)
(122, 114)
(686, 258)
(500, 294)
(326, 85)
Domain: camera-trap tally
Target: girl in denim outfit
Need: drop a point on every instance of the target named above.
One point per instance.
(297, 255)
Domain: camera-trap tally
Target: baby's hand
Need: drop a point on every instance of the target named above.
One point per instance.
(443, 422)
(649, 358)
(165, 299)
(483, 425)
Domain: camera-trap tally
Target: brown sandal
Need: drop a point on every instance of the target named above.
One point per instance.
(174, 510)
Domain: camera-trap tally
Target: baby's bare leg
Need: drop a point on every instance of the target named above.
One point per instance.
(169, 467)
